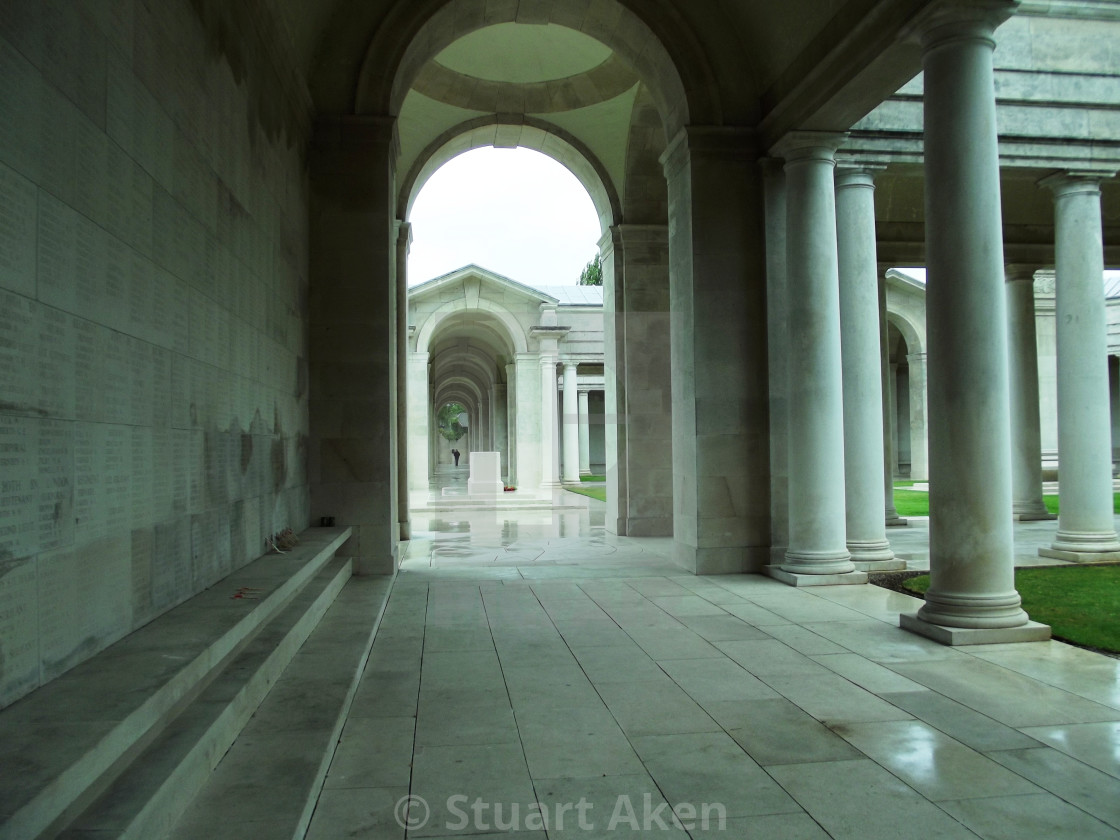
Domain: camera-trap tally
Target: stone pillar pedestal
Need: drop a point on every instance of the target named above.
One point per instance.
(1026, 440)
(584, 435)
(719, 453)
(570, 417)
(1085, 523)
(353, 454)
(817, 552)
(972, 597)
(862, 379)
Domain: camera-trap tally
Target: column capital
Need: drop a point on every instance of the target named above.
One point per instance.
(1071, 181)
(798, 146)
(404, 235)
(850, 174)
(949, 21)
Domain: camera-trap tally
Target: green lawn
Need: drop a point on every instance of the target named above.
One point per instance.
(592, 478)
(1080, 603)
(916, 503)
(599, 493)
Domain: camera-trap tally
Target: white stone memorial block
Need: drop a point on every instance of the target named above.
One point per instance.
(486, 474)
(19, 631)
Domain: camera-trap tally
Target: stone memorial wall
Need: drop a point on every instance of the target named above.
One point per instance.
(153, 253)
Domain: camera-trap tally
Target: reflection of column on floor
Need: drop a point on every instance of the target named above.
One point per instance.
(570, 418)
(1085, 518)
(817, 551)
(972, 595)
(584, 435)
(862, 382)
(1022, 354)
(893, 520)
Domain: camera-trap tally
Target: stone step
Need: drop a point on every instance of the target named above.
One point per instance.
(159, 784)
(267, 785)
(66, 742)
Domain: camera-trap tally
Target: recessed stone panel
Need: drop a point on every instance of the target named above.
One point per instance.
(55, 484)
(19, 535)
(171, 563)
(85, 601)
(18, 223)
(19, 631)
(19, 390)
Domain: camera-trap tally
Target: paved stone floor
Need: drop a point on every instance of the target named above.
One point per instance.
(533, 671)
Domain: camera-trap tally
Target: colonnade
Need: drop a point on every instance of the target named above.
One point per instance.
(983, 410)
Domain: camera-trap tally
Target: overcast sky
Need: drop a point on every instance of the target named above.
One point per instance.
(513, 211)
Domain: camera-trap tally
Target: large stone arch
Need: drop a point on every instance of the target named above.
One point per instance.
(667, 58)
(512, 131)
(424, 333)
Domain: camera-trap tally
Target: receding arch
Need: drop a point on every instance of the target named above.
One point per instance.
(910, 332)
(517, 336)
(670, 60)
(513, 131)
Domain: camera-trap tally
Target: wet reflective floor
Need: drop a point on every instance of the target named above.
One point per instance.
(535, 676)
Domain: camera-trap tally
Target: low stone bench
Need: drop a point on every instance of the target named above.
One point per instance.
(204, 665)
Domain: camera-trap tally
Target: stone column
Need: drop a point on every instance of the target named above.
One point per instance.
(1085, 525)
(972, 597)
(637, 390)
(919, 431)
(817, 552)
(571, 425)
(527, 392)
(893, 520)
(419, 421)
(512, 406)
(1026, 434)
(719, 393)
(862, 378)
(777, 343)
(584, 435)
(353, 336)
(1046, 336)
(501, 429)
(550, 444)
(404, 240)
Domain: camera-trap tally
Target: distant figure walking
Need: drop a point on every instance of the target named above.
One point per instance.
(455, 452)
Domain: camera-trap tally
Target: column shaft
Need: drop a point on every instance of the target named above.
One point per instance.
(571, 425)
(971, 549)
(550, 448)
(1026, 441)
(817, 551)
(584, 435)
(862, 379)
(893, 520)
(1085, 519)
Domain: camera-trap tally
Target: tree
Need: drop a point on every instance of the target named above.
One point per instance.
(447, 419)
(592, 273)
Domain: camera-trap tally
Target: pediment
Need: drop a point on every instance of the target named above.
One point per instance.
(477, 283)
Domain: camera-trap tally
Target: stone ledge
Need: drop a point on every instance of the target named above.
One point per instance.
(1032, 631)
(1080, 556)
(895, 565)
(794, 579)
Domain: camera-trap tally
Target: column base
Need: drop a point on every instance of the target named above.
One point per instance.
(1033, 517)
(1030, 511)
(1080, 556)
(895, 565)
(866, 554)
(799, 579)
(1032, 631)
(898, 522)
